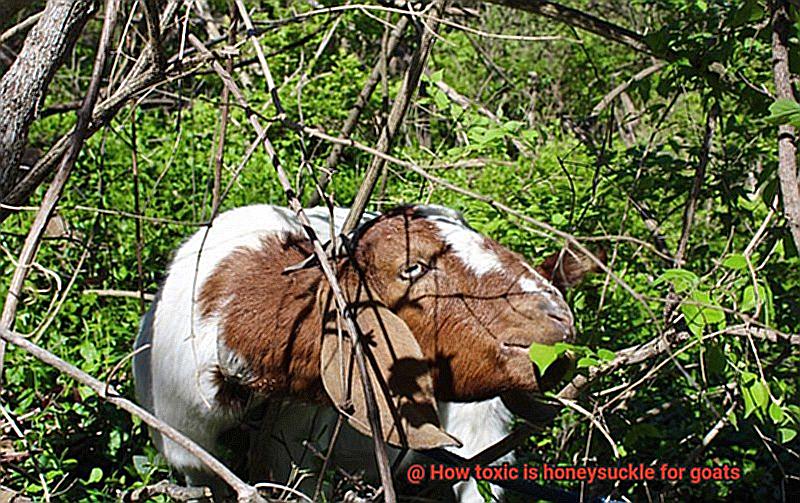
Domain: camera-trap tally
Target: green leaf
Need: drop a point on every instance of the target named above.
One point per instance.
(587, 361)
(437, 76)
(559, 219)
(784, 111)
(543, 355)
(749, 404)
(95, 475)
(735, 261)
(749, 11)
(787, 434)
(680, 279)
(715, 360)
(733, 419)
(441, 100)
(142, 465)
(760, 393)
(748, 377)
(606, 354)
(776, 413)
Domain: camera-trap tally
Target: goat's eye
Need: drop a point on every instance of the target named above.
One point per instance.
(413, 271)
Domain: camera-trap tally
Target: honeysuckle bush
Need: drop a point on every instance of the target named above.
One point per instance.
(578, 175)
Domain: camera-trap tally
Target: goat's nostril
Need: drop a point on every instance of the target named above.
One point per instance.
(560, 316)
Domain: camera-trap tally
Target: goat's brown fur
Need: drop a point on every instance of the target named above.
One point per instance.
(271, 320)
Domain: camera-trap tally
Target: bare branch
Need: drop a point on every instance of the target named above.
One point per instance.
(173, 491)
(396, 116)
(53, 193)
(355, 112)
(612, 95)
(580, 19)
(245, 492)
(697, 183)
(20, 27)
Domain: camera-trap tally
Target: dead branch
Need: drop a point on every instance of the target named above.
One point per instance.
(9, 8)
(697, 183)
(104, 113)
(56, 188)
(355, 112)
(20, 27)
(24, 85)
(119, 293)
(612, 95)
(245, 492)
(787, 149)
(173, 491)
(321, 256)
(464, 102)
(581, 20)
(154, 31)
(396, 116)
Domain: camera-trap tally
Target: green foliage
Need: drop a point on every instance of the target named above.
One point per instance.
(784, 111)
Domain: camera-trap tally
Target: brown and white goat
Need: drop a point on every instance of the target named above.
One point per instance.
(447, 313)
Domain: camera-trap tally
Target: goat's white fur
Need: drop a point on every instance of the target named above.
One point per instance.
(174, 379)
(469, 246)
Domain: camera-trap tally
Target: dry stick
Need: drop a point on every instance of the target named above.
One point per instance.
(580, 19)
(319, 251)
(396, 116)
(154, 31)
(143, 62)
(19, 28)
(139, 78)
(608, 98)
(379, 443)
(137, 210)
(174, 492)
(787, 150)
(465, 102)
(118, 293)
(245, 492)
(219, 155)
(383, 68)
(691, 203)
(54, 192)
(355, 112)
(697, 184)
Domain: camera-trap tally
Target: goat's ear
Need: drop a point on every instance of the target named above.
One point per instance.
(399, 374)
(568, 267)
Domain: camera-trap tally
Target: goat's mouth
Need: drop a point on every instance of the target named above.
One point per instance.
(514, 349)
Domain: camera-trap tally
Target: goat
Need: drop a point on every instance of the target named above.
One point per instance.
(447, 314)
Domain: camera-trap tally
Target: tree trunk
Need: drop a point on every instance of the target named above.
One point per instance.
(23, 87)
(787, 150)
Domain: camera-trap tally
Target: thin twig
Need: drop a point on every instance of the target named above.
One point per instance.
(56, 188)
(396, 116)
(643, 74)
(245, 492)
(355, 112)
(319, 252)
(137, 210)
(19, 27)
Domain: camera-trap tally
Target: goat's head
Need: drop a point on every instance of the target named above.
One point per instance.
(454, 305)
